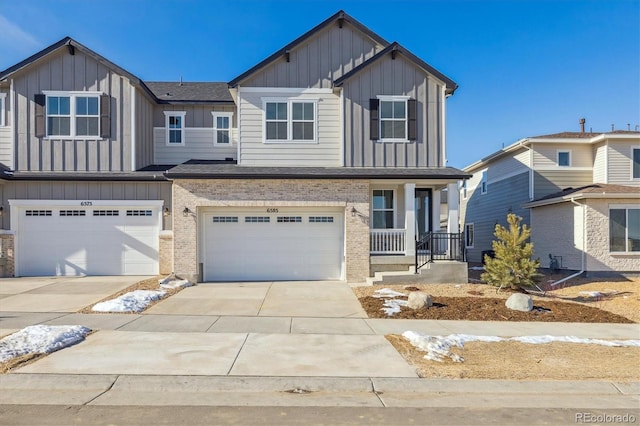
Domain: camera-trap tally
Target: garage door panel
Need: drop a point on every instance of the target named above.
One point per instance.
(103, 241)
(296, 248)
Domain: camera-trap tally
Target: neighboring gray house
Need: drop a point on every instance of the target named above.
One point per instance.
(580, 193)
(324, 161)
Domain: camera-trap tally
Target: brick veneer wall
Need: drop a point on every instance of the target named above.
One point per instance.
(165, 255)
(7, 250)
(198, 193)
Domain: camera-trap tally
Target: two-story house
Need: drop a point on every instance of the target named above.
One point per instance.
(316, 163)
(579, 192)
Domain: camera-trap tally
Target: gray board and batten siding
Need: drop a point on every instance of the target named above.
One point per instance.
(318, 61)
(399, 77)
(62, 71)
(82, 190)
(486, 210)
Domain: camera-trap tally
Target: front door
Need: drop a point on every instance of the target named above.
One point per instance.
(423, 212)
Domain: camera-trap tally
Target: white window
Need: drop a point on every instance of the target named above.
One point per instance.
(174, 124)
(483, 182)
(393, 118)
(468, 235)
(624, 229)
(287, 120)
(464, 189)
(3, 109)
(635, 162)
(222, 128)
(383, 209)
(73, 114)
(564, 158)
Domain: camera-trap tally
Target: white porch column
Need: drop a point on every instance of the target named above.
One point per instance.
(435, 210)
(410, 218)
(453, 202)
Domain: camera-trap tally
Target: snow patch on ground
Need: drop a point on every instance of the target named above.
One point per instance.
(40, 339)
(173, 284)
(477, 268)
(439, 347)
(135, 301)
(391, 305)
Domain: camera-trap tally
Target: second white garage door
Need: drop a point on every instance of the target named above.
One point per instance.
(265, 245)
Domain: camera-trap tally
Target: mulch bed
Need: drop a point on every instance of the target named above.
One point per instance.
(494, 309)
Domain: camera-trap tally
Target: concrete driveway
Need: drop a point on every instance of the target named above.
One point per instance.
(58, 294)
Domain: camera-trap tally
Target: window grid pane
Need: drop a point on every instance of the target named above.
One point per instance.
(636, 163)
(617, 229)
(393, 120)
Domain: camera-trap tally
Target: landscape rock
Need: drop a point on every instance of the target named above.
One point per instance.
(519, 302)
(419, 299)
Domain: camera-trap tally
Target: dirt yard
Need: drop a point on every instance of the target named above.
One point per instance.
(579, 300)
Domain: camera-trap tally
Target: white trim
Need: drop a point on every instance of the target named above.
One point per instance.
(77, 203)
(3, 109)
(633, 148)
(484, 178)
(626, 208)
(606, 162)
(473, 235)
(287, 90)
(389, 98)
(289, 120)
(563, 151)
(13, 122)
(552, 168)
(180, 114)
(133, 128)
(72, 93)
(215, 115)
(443, 142)
(342, 138)
(239, 125)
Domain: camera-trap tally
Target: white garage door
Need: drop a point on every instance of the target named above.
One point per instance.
(87, 240)
(273, 244)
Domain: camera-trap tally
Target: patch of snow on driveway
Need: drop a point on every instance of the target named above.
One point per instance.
(439, 347)
(135, 301)
(40, 339)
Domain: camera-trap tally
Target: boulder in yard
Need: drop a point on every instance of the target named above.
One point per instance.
(419, 299)
(519, 302)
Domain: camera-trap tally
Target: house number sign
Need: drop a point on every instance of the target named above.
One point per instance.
(272, 210)
(86, 203)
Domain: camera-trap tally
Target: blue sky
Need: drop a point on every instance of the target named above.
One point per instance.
(524, 68)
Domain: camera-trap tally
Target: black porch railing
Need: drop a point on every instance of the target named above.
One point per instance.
(439, 246)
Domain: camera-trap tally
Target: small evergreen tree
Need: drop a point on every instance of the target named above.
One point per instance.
(512, 265)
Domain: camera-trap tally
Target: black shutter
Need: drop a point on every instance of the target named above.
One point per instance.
(40, 101)
(374, 119)
(105, 116)
(412, 124)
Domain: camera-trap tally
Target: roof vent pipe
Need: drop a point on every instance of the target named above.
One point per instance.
(582, 121)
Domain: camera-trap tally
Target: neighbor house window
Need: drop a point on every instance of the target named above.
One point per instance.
(3, 109)
(174, 124)
(393, 119)
(73, 114)
(290, 120)
(468, 235)
(383, 209)
(564, 158)
(464, 189)
(483, 182)
(635, 162)
(624, 229)
(222, 128)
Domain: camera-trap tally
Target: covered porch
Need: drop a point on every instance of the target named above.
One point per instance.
(414, 221)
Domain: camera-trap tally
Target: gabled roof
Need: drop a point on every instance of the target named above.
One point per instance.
(339, 16)
(583, 135)
(594, 190)
(71, 45)
(392, 49)
(192, 92)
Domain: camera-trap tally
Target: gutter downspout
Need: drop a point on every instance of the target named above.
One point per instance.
(584, 241)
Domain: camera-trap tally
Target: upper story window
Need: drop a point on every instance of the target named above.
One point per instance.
(483, 182)
(174, 125)
(564, 158)
(222, 128)
(383, 209)
(288, 120)
(393, 119)
(72, 114)
(624, 229)
(635, 162)
(3, 109)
